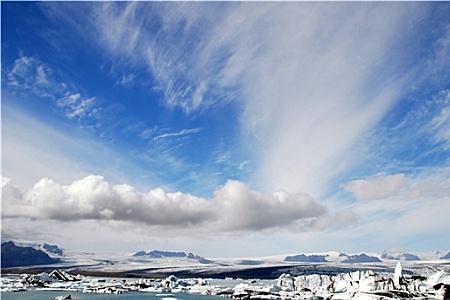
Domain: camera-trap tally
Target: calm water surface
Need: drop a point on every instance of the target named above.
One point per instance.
(45, 295)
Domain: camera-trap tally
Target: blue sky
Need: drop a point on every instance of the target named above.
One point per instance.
(216, 107)
(190, 160)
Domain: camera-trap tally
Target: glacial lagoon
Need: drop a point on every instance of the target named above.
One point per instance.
(76, 295)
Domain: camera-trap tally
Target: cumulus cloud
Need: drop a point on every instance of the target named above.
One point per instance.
(10, 192)
(377, 187)
(234, 206)
(239, 207)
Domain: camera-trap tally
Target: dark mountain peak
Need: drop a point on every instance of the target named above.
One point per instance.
(361, 258)
(8, 244)
(164, 254)
(306, 258)
(171, 254)
(140, 253)
(54, 249)
(16, 256)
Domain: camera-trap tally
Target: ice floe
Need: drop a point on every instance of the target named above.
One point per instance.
(351, 285)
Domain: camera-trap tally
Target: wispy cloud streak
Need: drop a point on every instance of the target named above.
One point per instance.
(30, 74)
(180, 133)
(311, 83)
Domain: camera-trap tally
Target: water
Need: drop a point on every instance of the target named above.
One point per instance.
(45, 295)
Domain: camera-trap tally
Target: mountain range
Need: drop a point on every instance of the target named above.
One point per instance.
(16, 254)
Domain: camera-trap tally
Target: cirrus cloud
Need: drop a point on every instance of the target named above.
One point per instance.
(28, 73)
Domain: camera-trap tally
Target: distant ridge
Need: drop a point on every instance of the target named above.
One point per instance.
(358, 258)
(332, 257)
(399, 256)
(171, 254)
(140, 253)
(306, 258)
(249, 262)
(162, 254)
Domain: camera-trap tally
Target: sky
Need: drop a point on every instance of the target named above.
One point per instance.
(226, 128)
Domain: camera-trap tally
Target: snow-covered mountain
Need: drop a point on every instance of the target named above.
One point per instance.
(334, 257)
(446, 256)
(372, 257)
(13, 255)
(51, 249)
(157, 254)
(358, 258)
(307, 258)
(396, 255)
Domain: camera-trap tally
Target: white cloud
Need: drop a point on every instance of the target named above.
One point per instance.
(222, 157)
(243, 164)
(312, 84)
(311, 81)
(183, 132)
(377, 187)
(75, 106)
(9, 192)
(234, 206)
(239, 207)
(415, 206)
(312, 92)
(30, 74)
(427, 195)
(126, 80)
(439, 126)
(42, 76)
